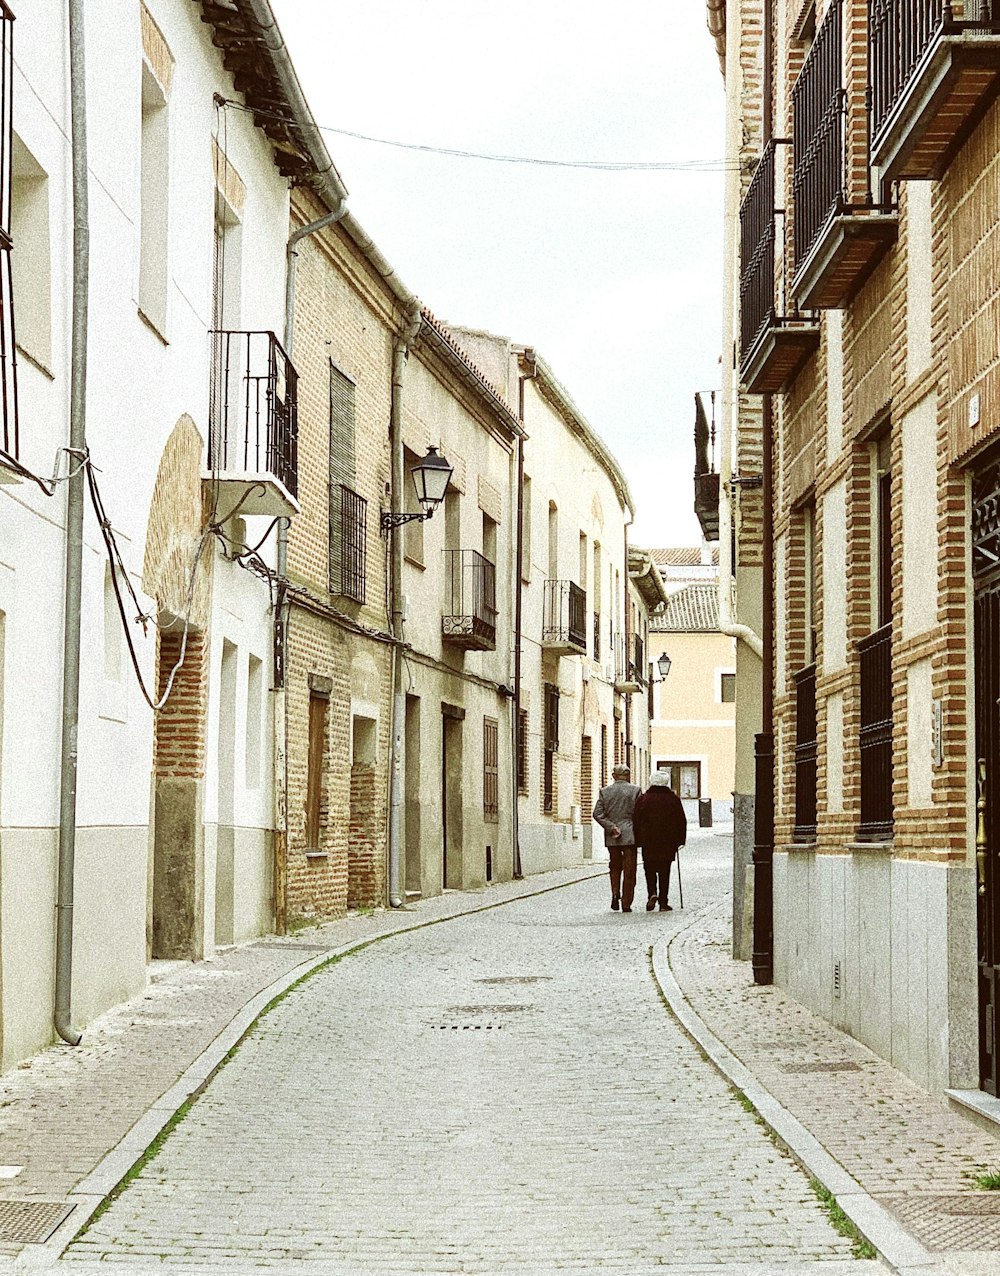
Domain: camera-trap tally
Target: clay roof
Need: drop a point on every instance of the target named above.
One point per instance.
(685, 557)
(693, 609)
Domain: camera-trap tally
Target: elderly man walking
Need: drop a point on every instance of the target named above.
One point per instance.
(615, 805)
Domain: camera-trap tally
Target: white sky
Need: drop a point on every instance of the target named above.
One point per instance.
(614, 277)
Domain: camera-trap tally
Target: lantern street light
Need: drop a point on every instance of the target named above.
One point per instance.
(663, 663)
(430, 479)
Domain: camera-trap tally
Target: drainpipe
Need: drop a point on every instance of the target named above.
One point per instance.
(527, 374)
(400, 349)
(74, 534)
(763, 830)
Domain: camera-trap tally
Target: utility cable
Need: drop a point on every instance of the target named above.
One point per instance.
(600, 166)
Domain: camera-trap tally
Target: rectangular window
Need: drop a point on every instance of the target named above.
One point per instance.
(255, 709)
(526, 529)
(489, 539)
(348, 510)
(875, 660)
(805, 755)
(587, 775)
(551, 746)
(727, 688)
(413, 532)
(522, 751)
(882, 532)
(154, 192)
(685, 777)
(491, 771)
(318, 707)
(604, 756)
(553, 541)
(31, 263)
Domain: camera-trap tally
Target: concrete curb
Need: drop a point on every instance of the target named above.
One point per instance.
(903, 1253)
(94, 1189)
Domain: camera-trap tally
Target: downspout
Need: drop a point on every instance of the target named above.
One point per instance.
(400, 349)
(763, 832)
(74, 533)
(629, 747)
(527, 374)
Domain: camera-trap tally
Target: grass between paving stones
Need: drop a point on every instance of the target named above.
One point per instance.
(860, 1246)
(988, 1181)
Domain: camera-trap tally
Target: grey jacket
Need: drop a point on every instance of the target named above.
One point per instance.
(614, 808)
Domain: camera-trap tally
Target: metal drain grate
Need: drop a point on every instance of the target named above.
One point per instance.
(467, 1027)
(292, 948)
(31, 1222)
(835, 1065)
(514, 979)
(970, 1221)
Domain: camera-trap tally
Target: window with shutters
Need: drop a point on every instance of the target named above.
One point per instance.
(551, 746)
(491, 772)
(348, 510)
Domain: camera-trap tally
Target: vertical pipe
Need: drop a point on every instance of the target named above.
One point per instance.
(518, 614)
(74, 534)
(400, 349)
(763, 849)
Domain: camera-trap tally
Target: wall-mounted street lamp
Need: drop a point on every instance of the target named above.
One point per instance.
(663, 663)
(430, 479)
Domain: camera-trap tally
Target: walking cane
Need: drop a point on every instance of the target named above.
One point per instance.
(680, 884)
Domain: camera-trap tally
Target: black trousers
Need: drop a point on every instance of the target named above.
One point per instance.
(621, 866)
(656, 866)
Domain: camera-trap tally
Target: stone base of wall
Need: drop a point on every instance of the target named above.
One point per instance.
(884, 948)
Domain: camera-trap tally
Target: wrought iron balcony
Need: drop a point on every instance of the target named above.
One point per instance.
(253, 430)
(706, 478)
(774, 345)
(348, 543)
(875, 653)
(932, 79)
(564, 617)
(805, 755)
(470, 615)
(837, 244)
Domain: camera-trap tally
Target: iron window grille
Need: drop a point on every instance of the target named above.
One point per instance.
(757, 239)
(597, 635)
(491, 771)
(551, 742)
(522, 751)
(253, 407)
(875, 654)
(348, 543)
(805, 755)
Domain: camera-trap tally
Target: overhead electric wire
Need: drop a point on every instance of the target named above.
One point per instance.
(599, 166)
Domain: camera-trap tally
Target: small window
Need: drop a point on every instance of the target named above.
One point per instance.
(31, 262)
(727, 688)
(154, 166)
(255, 709)
(685, 777)
(551, 742)
(319, 703)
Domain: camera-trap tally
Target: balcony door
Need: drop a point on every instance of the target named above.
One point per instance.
(986, 605)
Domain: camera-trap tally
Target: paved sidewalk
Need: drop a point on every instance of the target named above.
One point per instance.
(912, 1153)
(65, 1110)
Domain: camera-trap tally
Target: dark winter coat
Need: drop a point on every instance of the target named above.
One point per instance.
(659, 821)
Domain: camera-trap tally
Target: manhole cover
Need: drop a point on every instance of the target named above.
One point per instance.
(834, 1065)
(467, 1027)
(970, 1221)
(514, 979)
(31, 1222)
(485, 1010)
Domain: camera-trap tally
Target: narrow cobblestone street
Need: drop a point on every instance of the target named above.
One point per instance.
(504, 1091)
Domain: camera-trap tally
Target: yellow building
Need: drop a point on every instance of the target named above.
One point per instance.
(692, 710)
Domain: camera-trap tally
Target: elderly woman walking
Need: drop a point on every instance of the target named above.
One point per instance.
(614, 814)
(660, 827)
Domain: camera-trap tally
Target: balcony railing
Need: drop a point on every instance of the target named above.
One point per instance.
(10, 440)
(348, 543)
(706, 478)
(253, 421)
(932, 78)
(805, 755)
(564, 616)
(838, 243)
(773, 345)
(875, 653)
(818, 105)
(470, 614)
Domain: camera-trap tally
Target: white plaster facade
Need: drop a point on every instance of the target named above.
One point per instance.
(148, 381)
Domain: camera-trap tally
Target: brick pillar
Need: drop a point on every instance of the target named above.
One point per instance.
(362, 883)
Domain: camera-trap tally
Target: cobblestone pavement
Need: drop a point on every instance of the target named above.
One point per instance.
(63, 1110)
(907, 1148)
(502, 1093)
